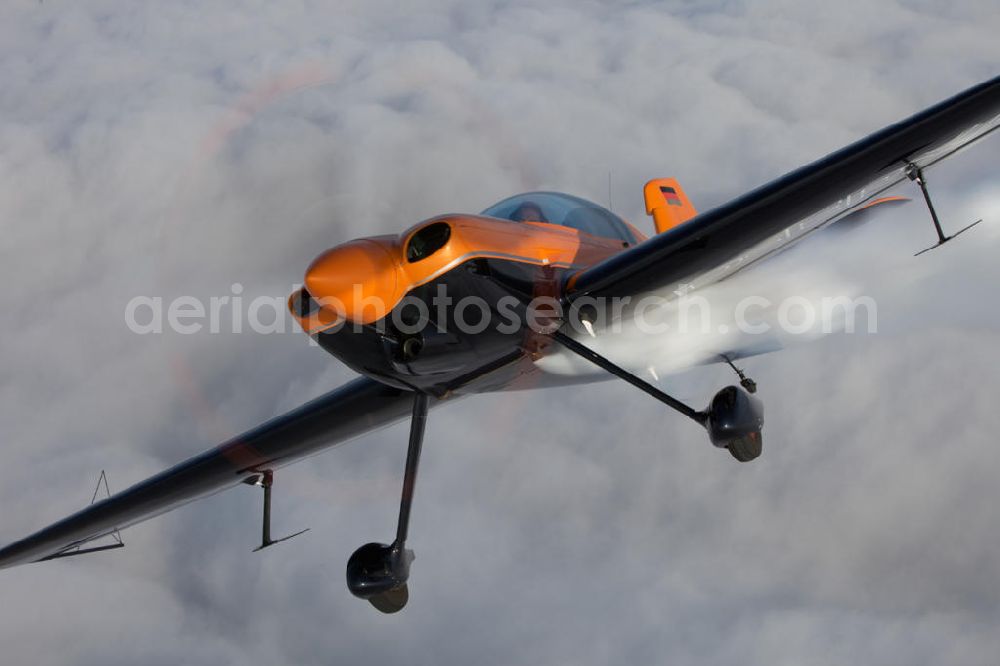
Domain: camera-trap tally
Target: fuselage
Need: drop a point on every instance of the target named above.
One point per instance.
(456, 303)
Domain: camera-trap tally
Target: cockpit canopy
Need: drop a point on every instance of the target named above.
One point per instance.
(563, 210)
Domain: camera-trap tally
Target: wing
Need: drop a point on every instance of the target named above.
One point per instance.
(358, 407)
(719, 242)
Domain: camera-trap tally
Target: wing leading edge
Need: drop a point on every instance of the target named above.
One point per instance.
(358, 407)
(723, 240)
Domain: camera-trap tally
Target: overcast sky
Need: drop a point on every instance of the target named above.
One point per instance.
(179, 148)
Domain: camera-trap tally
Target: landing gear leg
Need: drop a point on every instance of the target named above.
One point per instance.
(733, 419)
(378, 572)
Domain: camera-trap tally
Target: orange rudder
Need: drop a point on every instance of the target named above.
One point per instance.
(667, 203)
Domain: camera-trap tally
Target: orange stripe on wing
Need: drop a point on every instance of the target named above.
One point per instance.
(884, 200)
(242, 455)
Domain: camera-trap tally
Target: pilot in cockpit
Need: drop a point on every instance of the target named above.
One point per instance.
(528, 211)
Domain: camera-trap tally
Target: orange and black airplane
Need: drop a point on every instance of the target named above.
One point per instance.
(541, 257)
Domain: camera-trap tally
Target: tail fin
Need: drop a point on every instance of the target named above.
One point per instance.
(667, 203)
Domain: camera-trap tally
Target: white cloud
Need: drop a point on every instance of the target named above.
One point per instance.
(178, 149)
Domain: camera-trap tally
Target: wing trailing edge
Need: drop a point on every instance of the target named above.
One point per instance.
(358, 407)
(723, 240)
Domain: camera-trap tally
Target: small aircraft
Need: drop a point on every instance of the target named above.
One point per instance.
(372, 303)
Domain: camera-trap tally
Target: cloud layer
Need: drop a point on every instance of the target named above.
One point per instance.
(179, 149)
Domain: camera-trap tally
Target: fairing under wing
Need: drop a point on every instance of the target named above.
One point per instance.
(721, 241)
(358, 407)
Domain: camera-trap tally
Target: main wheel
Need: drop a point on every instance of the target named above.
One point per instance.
(391, 601)
(746, 448)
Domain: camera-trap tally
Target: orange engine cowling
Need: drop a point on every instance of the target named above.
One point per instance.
(359, 280)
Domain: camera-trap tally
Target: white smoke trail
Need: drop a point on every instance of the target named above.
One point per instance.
(781, 302)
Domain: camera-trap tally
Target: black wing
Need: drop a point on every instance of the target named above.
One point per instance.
(723, 240)
(351, 410)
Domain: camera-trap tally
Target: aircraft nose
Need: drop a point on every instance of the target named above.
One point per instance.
(357, 279)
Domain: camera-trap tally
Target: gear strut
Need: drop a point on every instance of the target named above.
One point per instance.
(378, 572)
